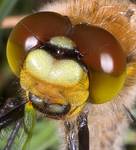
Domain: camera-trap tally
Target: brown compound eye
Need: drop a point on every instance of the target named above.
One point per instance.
(32, 31)
(100, 49)
(104, 58)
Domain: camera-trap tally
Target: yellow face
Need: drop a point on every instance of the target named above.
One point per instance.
(55, 81)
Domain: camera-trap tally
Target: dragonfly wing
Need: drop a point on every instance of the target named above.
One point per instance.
(10, 111)
(17, 135)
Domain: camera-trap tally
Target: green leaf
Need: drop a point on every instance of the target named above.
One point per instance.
(29, 122)
(5, 7)
(44, 135)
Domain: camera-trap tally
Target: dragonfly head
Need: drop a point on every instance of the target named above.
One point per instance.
(62, 66)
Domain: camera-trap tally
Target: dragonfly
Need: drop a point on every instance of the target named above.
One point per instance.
(75, 62)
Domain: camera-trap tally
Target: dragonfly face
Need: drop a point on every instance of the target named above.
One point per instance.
(64, 64)
(60, 69)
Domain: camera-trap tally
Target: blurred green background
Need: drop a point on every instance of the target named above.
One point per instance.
(45, 136)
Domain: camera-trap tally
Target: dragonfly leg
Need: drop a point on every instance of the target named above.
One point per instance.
(77, 133)
(83, 131)
(71, 135)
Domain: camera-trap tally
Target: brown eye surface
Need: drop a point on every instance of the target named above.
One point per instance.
(101, 51)
(105, 60)
(32, 31)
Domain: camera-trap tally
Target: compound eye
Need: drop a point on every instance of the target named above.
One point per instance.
(104, 58)
(31, 32)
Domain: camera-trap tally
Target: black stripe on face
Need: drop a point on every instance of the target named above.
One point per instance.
(62, 53)
(51, 110)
